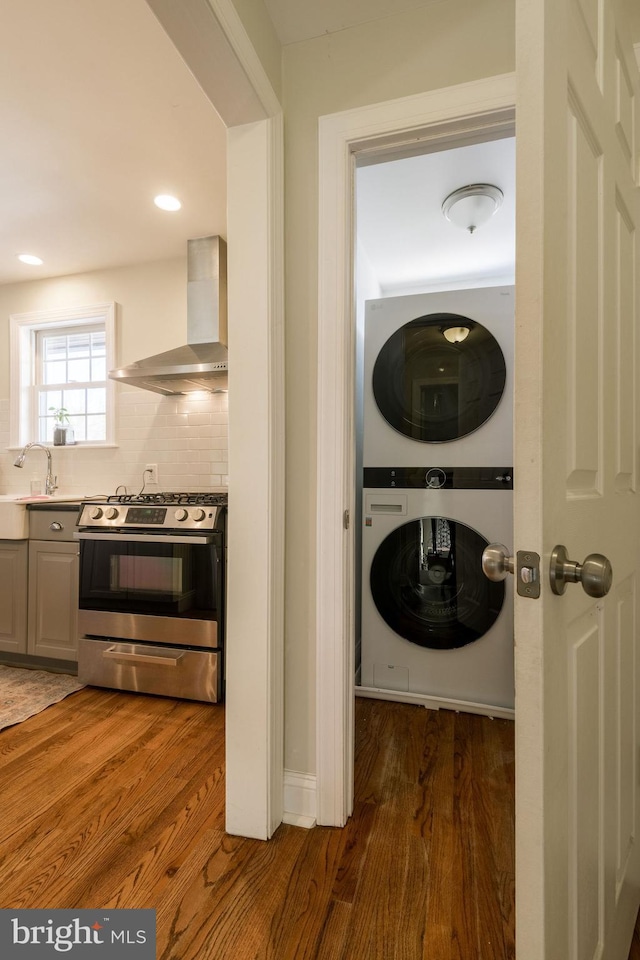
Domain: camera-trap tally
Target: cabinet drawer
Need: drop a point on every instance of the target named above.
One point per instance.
(52, 524)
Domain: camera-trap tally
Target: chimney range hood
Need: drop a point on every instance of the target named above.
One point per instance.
(201, 364)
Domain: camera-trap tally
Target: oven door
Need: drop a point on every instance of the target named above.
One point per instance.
(153, 587)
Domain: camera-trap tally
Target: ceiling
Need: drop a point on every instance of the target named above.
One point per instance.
(401, 229)
(297, 20)
(100, 114)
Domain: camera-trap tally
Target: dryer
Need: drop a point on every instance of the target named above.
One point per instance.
(438, 377)
(434, 628)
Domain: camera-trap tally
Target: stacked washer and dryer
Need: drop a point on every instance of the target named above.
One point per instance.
(437, 488)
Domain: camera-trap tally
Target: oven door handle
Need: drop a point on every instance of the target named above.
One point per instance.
(143, 538)
(159, 660)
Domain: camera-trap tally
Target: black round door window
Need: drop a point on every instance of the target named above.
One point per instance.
(439, 377)
(428, 585)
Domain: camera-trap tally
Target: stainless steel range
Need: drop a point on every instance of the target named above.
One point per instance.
(152, 593)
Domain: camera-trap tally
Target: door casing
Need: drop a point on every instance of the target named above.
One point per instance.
(465, 112)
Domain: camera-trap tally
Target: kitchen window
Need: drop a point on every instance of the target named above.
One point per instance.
(71, 375)
(59, 361)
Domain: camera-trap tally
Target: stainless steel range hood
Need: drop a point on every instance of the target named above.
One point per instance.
(201, 364)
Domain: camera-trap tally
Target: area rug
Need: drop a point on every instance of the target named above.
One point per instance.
(23, 693)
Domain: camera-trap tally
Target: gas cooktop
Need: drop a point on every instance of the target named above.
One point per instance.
(210, 499)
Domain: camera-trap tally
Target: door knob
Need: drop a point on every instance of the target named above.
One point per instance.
(497, 564)
(595, 574)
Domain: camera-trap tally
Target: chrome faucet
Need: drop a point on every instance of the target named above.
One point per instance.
(51, 482)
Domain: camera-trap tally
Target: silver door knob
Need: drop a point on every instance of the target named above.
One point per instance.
(497, 563)
(595, 574)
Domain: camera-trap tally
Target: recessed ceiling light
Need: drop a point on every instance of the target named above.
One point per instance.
(167, 202)
(29, 258)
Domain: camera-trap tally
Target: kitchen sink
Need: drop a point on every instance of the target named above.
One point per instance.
(13, 518)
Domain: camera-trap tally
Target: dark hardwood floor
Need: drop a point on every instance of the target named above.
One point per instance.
(117, 800)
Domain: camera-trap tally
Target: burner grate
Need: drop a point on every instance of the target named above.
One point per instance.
(211, 499)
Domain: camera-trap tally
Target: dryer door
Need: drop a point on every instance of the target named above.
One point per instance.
(428, 585)
(439, 377)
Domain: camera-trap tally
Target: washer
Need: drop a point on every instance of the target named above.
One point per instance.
(434, 628)
(438, 376)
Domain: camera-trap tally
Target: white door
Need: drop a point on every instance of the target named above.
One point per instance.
(576, 463)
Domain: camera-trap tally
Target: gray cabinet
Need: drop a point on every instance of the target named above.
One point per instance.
(39, 587)
(13, 595)
(53, 599)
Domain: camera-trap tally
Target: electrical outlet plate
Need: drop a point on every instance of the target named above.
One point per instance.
(151, 473)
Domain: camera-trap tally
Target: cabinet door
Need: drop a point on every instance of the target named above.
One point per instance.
(53, 599)
(13, 595)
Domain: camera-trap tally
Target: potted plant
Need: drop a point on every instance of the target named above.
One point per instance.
(63, 433)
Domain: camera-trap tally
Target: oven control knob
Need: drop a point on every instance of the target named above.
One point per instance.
(96, 513)
(199, 514)
(111, 513)
(181, 514)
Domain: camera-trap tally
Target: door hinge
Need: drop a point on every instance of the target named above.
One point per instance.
(345, 519)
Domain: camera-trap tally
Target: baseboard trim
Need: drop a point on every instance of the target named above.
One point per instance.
(300, 801)
(436, 703)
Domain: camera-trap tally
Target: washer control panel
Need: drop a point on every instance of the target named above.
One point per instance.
(437, 478)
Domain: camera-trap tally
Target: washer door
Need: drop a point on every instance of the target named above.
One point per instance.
(428, 585)
(434, 383)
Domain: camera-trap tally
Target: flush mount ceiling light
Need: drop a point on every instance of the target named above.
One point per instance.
(167, 202)
(30, 259)
(456, 334)
(471, 206)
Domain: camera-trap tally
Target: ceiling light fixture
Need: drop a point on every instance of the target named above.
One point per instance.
(471, 206)
(456, 334)
(167, 202)
(30, 259)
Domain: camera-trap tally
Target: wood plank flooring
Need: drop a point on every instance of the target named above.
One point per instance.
(117, 800)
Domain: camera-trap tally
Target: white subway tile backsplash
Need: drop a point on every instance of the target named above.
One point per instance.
(187, 438)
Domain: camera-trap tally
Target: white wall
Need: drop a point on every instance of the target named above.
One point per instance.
(427, 48)
(187, 438)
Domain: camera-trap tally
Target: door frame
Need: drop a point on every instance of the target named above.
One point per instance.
(212, 40)
(440, 116)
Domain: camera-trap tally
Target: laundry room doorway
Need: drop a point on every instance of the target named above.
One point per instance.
(435, 298)
(453, 118)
